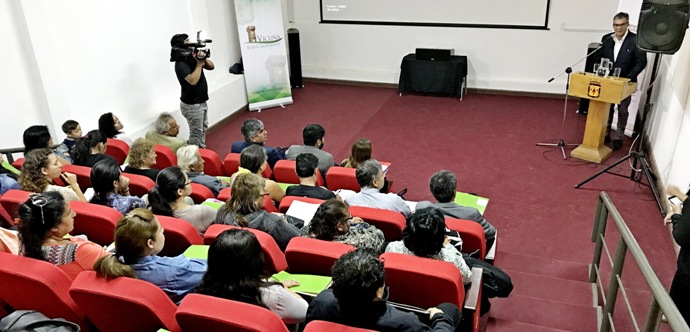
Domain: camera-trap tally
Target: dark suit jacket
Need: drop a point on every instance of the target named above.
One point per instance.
(631, 60)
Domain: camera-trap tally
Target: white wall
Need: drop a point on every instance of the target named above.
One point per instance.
(77, 59)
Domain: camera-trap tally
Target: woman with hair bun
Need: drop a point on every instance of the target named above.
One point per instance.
(90, 149)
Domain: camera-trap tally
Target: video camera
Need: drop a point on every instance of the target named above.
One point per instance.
(185, 51)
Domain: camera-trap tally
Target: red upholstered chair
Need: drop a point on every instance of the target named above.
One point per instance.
(117, 149)
(391, 223)
(18, 163)
(224, 194)
(165, 157)
(212, 164)
(83, 174)
(285, 171)
(6, 220)
(342, 178)
(208, 313)
(12, 199)
(179, 235)
(200, 193)
(324, 326)
(95, 221)
(274, 259)
(123, 304)
(139, 185)
(287, 201)
(31, 284)
(312, 256)
(232, 163)
(471, 233)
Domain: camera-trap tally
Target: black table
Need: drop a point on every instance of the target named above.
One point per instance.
(434, 76)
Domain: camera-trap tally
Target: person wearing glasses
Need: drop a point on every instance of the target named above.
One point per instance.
(620, 46)
(333, 222)
(45, 219)
(141, 157)
(245, 209)
(168, 198)
(39, 171)
(358, 298)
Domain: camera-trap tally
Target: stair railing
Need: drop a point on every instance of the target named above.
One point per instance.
(661, 301)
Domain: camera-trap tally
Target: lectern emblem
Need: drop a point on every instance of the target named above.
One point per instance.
(594, 89)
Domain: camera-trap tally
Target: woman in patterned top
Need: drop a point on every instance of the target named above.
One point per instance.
(45, 220)
(111, 188)
(333, 222)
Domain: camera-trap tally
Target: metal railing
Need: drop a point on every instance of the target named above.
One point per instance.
(661, 301)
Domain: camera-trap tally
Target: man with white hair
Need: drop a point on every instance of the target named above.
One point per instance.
(190, 161)
(166, 132)
(370, 178)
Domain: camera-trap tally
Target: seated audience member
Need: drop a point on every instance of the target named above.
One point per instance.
(141, 157)
(253, 160)
(307, 171)
(425, 236)
(370, 178)
(166, 132)
(167, 198)
(358, 298)
(245, 209)
(235, 267)
(111, 188)
(45, 219)
(90, 149)
(360, 152)
(8, 179)
(312, 136)
(72, 129)
(190, 161)
(333, 222)
(255, 134)
(41, 167)
(443, 185)
(138, 240)
(111, 127)
(38, 137)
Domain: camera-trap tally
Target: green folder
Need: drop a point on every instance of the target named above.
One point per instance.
(285, 185)
(470, 200)
(197, 251)
(9, 167)
(308, 284)
(214, 203)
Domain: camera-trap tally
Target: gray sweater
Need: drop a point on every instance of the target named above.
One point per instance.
(273, 224)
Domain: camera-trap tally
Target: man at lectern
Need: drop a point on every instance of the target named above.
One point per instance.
(620, 46)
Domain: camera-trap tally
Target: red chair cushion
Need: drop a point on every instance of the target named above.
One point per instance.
(286, 202)
(207, 313)
(83, 174)
(200, 193)
(165, 157)
(212, 163)
(274, 259)
(471, 233)
(179, 235)
(117, 149)
(139, 185)
(312, 256)
(95, 221)
(342, 178)
(391, 223)
(12, 199)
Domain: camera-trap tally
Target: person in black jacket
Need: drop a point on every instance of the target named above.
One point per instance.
(680, 218)
(358, 298)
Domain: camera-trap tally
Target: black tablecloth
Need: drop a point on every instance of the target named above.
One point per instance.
(434, 76)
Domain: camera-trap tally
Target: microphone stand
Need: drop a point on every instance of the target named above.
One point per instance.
(561, 143)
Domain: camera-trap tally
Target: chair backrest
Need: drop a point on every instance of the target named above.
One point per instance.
(471, 233)
(117, 149)
(18, 163)
(6, 220)
(212, 163)
(231, 163)
(342, 178)
(179, 235)
(324, 326)
(274, 259)
(286, 202)
(312, 256)
(208, 313)
(83, 174)
(200, 193)
(95, 221)
(391, 223)
(12, 199)
(31, 284)
(285, 171)
(139, 185)
(165, 157)
(226, 193)
(422, 282)
(123, 304)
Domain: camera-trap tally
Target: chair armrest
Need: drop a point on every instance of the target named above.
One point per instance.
(472, 294)
(491, 252)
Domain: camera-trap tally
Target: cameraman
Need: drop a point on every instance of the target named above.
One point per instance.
(190, 73)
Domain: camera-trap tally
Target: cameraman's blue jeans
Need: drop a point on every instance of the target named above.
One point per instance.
(196, 115)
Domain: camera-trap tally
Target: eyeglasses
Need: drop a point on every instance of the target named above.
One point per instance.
(39, 201)
(348, 220)
(620, 25)
(188, 183)
(265, 194)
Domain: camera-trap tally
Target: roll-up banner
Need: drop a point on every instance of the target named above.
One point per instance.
(264, 54)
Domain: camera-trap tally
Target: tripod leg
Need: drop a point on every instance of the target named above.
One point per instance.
(603, 171)
(563, 152)
(650, 179)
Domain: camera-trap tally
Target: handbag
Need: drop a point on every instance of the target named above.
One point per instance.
(495, 282)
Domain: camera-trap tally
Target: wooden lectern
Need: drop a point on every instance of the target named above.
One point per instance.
(602, 92)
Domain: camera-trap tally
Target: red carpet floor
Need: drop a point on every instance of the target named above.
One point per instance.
(488, 141)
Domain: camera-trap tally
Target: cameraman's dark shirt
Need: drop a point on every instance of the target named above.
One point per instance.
(191, 94)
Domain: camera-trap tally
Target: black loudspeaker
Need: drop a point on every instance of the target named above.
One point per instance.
(295, 59)
(662, 25)
(433, 54)
(583, 104)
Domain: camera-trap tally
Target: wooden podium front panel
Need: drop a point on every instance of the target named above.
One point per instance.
(612, 89)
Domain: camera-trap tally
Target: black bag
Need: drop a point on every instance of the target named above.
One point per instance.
(34, 321)
(495, 282)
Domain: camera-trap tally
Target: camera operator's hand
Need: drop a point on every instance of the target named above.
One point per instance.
(200, 55)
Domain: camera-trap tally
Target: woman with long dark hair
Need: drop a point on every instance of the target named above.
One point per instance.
(111, 188)
(90, 149)
(111, 127)
(45, 219)
(235, 265)
(38, 137)
(41, 168)
(253, 160)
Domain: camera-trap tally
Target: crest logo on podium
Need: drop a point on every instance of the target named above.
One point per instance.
(594, 89)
